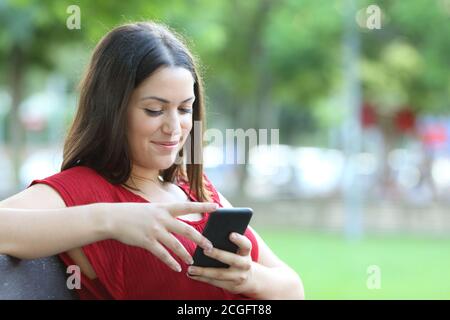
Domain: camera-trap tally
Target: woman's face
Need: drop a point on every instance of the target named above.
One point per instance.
(160, 117)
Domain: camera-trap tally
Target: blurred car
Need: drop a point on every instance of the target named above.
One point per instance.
(318, 171)
(224, 176)
(286, 171)
(270, 171)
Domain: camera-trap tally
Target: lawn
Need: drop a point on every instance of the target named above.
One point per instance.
(331, 267)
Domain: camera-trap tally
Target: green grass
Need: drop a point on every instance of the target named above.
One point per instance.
(333, 268)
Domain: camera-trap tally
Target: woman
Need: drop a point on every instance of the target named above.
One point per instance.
(138, 102)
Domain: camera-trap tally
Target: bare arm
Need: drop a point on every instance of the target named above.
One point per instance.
(36, 223)
(272, 278)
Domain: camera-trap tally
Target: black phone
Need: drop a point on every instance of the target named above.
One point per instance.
(220, 224)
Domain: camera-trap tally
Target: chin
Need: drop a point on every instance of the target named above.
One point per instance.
(165, 164)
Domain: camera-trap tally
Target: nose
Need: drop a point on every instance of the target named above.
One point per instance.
(171, 123)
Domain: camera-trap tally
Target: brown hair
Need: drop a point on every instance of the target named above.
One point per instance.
(124, 58)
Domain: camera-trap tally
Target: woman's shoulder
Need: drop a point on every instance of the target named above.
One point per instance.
(78, 185)
(77, 176)
(78, 171)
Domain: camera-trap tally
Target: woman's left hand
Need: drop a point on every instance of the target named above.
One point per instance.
(238, 277)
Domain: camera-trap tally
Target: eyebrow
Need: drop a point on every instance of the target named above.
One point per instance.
(166, 101)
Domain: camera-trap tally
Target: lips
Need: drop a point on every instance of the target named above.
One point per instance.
(166, 143)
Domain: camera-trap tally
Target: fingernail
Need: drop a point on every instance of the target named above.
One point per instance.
(192, 270)
(208, 245)
(233, 236)
(207, 250)
(189, 260)
(177, 268)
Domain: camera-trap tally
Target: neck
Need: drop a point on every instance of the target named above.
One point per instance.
(141, 177)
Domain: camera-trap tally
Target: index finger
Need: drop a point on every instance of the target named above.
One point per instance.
(244, 243)
(230, 258)
(189, 232)
(182, 208)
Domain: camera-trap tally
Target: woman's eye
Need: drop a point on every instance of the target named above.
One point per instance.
(185, 110)
(153, 113)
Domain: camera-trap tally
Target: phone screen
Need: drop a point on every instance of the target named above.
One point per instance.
(220, 224)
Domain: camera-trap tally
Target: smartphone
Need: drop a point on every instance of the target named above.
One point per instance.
(220, 224)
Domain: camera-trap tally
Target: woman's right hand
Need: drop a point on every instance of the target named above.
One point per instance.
(149, 226)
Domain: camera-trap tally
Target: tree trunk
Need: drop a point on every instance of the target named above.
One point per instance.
(15, 127)
(254, 109)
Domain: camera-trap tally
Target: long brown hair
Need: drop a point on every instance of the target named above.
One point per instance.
(124, 58)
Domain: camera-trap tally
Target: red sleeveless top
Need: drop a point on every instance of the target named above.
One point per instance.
(128, 272)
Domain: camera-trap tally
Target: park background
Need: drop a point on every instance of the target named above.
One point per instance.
(356, 197)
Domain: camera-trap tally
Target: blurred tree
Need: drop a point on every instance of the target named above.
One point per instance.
(262, 59)
(32, 31)
(262, 56)
(25, 24)
(406, 63)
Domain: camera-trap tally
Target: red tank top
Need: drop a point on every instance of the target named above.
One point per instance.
(128, 272)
